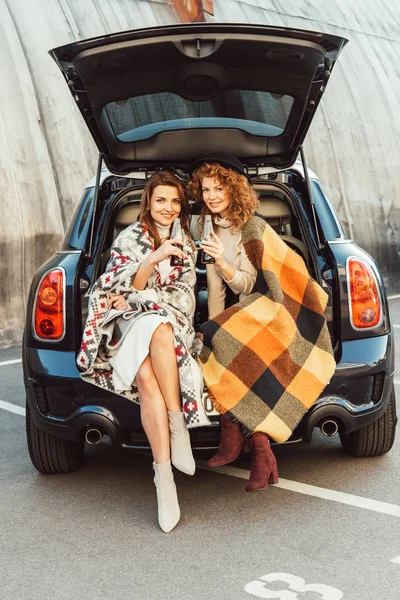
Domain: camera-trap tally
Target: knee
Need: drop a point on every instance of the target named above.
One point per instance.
(163, 336)
(145, 374)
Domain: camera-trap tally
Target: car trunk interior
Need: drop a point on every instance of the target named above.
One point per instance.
(277, 207)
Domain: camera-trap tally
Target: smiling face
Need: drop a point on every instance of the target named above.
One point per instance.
(165, 204)
(215, 196)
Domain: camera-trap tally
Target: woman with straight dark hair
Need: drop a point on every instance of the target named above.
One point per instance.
(139, 333)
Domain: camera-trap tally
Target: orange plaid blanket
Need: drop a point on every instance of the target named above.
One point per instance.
(268, 358)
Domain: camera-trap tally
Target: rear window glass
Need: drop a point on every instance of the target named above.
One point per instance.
(257, 113)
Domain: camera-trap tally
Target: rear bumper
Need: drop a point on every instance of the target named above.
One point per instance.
(359, 391)
(65, 406)
(348, 416)
(74, 426)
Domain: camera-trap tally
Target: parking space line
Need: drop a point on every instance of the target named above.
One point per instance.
(396, 381)
(394, 297)
(396, 560)
(10, 362)
(285, 484)
(318, 492)
(396, 326)
(18, 410)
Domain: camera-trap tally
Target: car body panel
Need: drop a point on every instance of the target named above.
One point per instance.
(144, 175)
(70, 262)
(282, 61)
(339, 252)
(192, 65)
(73, 405)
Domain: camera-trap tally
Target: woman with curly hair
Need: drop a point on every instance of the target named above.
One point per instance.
(221, 182)
(231, 200)
(267, 352)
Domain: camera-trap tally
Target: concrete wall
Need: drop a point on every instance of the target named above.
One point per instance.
(354, 141)
(46, 155)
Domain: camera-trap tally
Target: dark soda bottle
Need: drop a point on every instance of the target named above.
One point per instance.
(206, 259)
(176, 234)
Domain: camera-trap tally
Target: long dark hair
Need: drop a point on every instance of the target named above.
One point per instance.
(162, 178)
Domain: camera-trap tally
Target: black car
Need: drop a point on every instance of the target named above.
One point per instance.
(159, 98)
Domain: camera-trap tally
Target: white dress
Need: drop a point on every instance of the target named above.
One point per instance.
(135, 347)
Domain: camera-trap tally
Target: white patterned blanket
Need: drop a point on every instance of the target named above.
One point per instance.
(175, 299)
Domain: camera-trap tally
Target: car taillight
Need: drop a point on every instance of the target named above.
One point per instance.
(49, 306)
(365, 302)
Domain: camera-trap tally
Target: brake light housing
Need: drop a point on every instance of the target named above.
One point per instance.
(49, 307)
(365, 301)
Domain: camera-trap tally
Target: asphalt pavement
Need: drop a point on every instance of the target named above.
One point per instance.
(330, 530)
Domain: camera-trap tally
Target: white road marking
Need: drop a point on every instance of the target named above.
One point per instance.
(398, 326)
(396, 560)
(15, 361)
(18, 410)
(285, 484)
(258, 589)
(318, 492)
(397, 381)
(393, 297)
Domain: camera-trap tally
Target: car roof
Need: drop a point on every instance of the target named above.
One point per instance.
(142, 175)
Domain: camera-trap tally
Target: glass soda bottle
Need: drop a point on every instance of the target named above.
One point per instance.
(206, 259)
(176, 234)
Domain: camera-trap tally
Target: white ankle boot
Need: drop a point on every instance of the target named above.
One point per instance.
(181, 450)
(168, 508)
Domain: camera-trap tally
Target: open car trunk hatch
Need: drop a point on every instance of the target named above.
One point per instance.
(168, 95)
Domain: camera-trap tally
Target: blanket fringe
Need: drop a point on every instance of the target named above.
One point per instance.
(228, 415)
(245, 430)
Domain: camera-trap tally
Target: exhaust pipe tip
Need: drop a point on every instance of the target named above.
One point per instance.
(93, 436)
(329, 427)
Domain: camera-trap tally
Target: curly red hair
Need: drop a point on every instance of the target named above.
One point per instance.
(243, 200)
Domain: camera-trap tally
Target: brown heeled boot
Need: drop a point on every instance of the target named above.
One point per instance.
(263, 463)
(230, 444)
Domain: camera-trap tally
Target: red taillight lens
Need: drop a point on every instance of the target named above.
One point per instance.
(49, 308)
(48, 296)
(365, 303)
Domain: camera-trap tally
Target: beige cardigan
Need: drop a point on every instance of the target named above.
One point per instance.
(245, 274)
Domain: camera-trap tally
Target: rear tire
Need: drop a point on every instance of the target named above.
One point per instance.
(376, 438)
(50, 454)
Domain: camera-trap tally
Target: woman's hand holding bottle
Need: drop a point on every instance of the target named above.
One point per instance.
(214, 248)
(166, 250)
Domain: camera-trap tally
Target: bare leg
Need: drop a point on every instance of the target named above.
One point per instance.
(153, 412)
(163, 360)
(155, 422)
